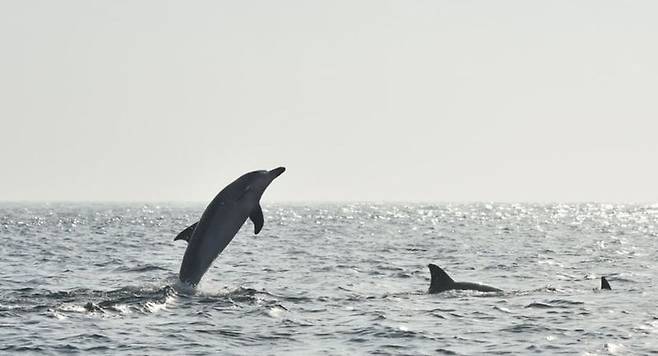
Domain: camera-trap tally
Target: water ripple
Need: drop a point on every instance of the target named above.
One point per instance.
(331, 279)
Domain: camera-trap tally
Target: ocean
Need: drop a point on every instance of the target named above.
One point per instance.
(331, 279)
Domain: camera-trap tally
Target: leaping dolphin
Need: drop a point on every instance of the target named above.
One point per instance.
(441, 282)
(221, 220)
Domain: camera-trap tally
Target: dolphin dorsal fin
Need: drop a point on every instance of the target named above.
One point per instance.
(440, 279)
(256, 217)
(187, 233)
(605, 284)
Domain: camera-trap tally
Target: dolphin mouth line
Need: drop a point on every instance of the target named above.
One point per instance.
(277, 172)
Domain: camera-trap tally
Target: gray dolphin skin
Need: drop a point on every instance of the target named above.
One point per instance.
(221, 220)
(441, 282)
(605, 284)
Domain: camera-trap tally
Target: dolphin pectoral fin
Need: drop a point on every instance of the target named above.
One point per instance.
(256, 217)
(187, 233)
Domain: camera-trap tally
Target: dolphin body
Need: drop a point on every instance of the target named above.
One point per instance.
(441, 282)
(221, 220)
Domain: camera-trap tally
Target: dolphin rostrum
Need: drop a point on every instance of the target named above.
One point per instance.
(441, 282)
(221, 220)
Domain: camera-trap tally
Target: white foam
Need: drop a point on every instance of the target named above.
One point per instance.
(73, 308)
(122, 308)
(614, 348)
(276, 312)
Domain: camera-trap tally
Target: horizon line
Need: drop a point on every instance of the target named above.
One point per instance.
(291, 202)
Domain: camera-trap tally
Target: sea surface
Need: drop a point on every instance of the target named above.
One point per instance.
(331, 279)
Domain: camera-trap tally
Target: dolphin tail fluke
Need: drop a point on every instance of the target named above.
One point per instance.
(605, 284)
(187, 233)
(256, 217)
(440, 279)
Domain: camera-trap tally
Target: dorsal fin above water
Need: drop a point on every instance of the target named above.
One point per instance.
(605, 284)
(187, 233)
(256, 217)
(440, 279)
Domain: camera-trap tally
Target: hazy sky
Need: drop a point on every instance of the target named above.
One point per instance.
(360, 100)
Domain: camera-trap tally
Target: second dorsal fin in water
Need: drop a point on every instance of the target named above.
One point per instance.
(440, 279)
(441, 282)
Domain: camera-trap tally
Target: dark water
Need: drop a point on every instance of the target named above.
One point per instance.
(332, 279)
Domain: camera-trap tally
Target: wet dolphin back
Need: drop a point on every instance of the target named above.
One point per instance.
(211, 237)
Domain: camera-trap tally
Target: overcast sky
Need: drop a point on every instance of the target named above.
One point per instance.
(361, 100)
